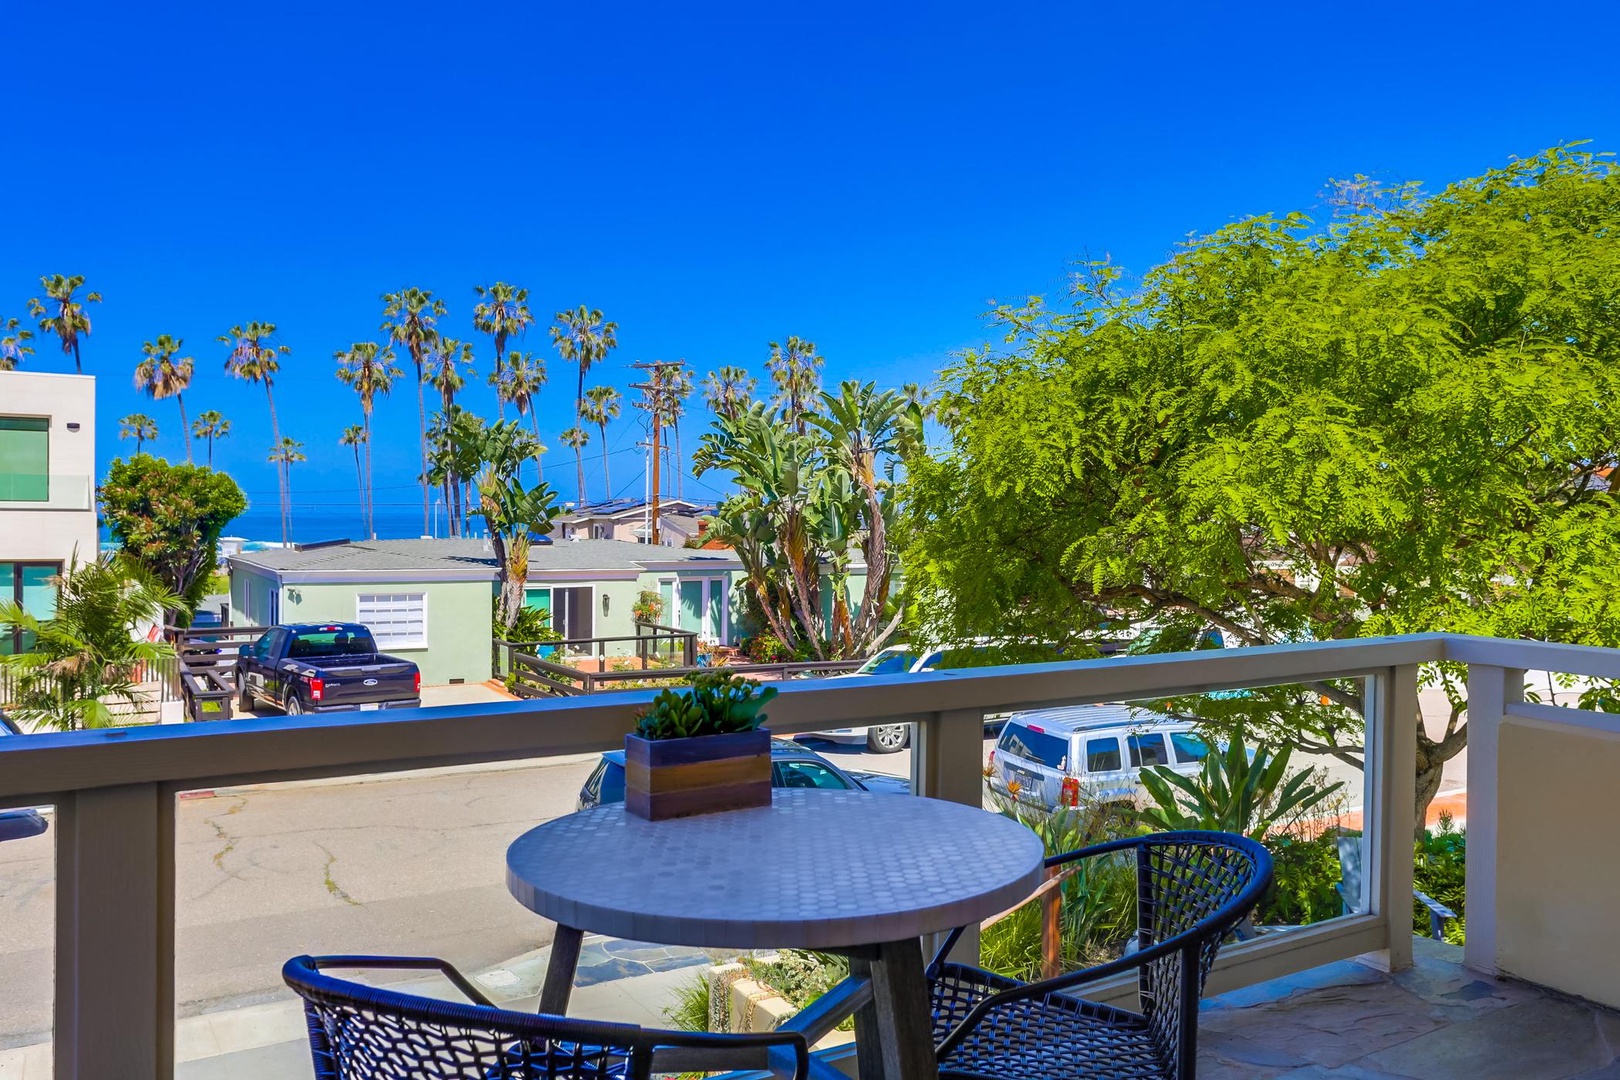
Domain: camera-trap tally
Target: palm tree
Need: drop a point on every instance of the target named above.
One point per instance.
(368, 369)
(525, 376)
(137, 426)
(796, 371)
(285, 454)
(446, 378)
(355, 435)
(409, 319)
(677, 388)
(504, 311)
(14, 346)
(729, 391)
(577, 437)
(211, 425)
(161, 376)
(601, 406)
(584, 339)
(59, 313)
(254, 358)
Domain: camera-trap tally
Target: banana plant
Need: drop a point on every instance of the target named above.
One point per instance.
(1234, 791)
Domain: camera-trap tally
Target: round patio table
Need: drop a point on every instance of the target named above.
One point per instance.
(838, 871)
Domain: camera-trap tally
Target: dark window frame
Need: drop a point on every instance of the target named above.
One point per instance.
(13, 591)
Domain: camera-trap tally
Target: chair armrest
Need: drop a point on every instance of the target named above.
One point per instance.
(1433, 905)
(693, 1051)
(407, 963)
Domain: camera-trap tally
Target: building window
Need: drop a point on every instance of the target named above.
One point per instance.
(396, 620)
(25, 459)
(33, 587)
(601, 532)
(571, 614)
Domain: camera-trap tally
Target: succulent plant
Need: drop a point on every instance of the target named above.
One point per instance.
(716, 704)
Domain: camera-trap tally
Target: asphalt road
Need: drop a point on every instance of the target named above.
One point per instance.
(409, 864)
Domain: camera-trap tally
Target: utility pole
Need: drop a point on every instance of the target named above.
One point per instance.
(653, 390)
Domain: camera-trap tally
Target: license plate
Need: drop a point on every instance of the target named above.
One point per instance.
(368, 706)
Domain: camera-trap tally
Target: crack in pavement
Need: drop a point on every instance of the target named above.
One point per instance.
(332, 886)
(223, 834)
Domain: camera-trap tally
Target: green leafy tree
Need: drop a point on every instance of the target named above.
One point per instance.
(453, 461)
(410, 319)
(514, 513)
(583, 337)
(85, 658)
(729, 392)
(575, 438)
(14, 344)
(256, 358)
(140, 427)
(1390, 423)
(502, 310)
(601, 408)
(161, 376)
(62, 313)
(211, 425)
(795, 370)
(167, 519)
(368, 369)
(355, 436)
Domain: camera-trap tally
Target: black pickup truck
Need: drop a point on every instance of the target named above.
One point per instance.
(324, 667)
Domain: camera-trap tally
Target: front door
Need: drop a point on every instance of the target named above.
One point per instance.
(703, 608)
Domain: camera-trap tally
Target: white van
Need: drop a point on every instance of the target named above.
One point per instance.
(1056, 754)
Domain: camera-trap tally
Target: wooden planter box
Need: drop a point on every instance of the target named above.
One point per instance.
(669, 778)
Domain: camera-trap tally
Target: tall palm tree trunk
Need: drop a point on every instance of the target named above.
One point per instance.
(78, 368)
(421, 432)
(210, 451)
(680, 479)
(607, 477)
(500, 369)
(283, 490)
(360, 482)
(371, 520)
(180, 400)
(579, 465)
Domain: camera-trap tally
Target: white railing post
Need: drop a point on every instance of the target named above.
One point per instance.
(115, 934)
(947, 762)
(1389, 817)
(1490, 691)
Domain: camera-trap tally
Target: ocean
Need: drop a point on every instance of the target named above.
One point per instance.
(312, 522)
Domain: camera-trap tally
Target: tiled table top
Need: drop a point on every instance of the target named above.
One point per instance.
(818, 869)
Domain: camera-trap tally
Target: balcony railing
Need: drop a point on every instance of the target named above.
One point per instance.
(115, 793)
(55, 492)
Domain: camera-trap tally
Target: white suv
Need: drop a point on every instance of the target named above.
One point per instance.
(1054, 755)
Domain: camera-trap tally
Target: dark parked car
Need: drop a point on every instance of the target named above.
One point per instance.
(16, 824)
(792, 766)
(324, 667)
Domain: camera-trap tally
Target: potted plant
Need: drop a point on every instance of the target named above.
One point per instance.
(700, 750)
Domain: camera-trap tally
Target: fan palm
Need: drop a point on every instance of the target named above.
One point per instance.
(443, 373)
(60, 313)
(355, 435)
(161, 376)
(577, 437)
(137, 426)
(729, 391)
(410, 317)
(583, 338)
(211, 425)
(286, 453)
(677, 387)
(796, 370)
(255, 359)
(84, 658)
(602, 406)
(368, 369)
(14, 346)
(503, 310)
(525, 376)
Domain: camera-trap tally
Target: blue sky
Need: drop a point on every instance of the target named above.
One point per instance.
(712, 176)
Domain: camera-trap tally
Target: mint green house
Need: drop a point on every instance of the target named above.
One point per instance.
(430, 600)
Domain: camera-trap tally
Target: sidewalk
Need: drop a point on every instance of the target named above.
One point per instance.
(616, 980)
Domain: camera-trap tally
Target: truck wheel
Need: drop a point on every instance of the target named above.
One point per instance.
(294, 706)
(887, 739)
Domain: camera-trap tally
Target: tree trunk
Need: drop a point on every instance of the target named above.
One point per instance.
(500, 368)
(360, 484)
(282, 491)
(607, 476)
(680, 480)
(371, 523)
(579, 465)
(180, 400)
(421, 432)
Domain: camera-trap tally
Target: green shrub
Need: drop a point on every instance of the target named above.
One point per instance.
(766, 649)
(716, 704)
(531, 625)
(800, 977)
(690, 1010)
(1440, 871)
(1304, 889)
(1233, 792)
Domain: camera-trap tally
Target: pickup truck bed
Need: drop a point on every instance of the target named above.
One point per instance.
(324, 667)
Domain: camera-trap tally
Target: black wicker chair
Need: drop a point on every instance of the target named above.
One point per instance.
(360, 1032)
(1192, 889)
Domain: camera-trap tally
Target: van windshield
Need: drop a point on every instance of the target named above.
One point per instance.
(1035, 746)
(897, 662)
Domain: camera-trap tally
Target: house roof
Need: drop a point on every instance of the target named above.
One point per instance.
(472, 559)
(631, 508)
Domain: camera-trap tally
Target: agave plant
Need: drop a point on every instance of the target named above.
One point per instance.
(1235, 791)
(716, 704)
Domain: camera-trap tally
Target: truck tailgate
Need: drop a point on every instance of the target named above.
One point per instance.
(358, 684)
